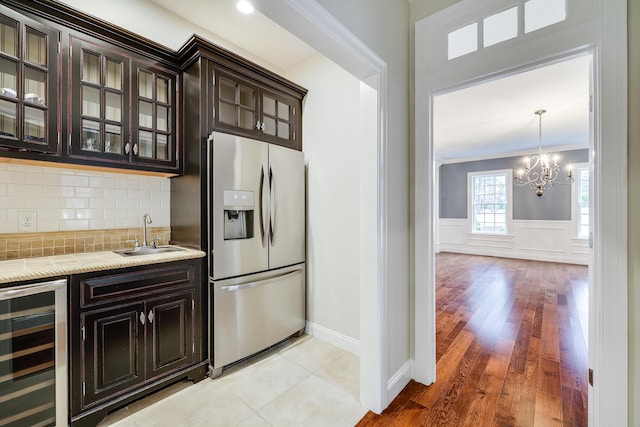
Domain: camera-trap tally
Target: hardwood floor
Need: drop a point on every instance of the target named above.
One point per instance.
(510, 347)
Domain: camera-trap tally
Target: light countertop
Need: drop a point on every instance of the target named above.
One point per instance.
(17, 270)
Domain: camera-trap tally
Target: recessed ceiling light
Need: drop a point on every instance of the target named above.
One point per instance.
(244, 7)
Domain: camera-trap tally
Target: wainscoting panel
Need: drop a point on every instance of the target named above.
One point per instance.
(536, 240)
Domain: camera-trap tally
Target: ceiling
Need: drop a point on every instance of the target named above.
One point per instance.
(494, 118)
(254, 33)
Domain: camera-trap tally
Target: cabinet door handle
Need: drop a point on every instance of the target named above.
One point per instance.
(150, 316)
(135, 149)
(258, 125)
(142, 318)
(262, 127)
(127, 148)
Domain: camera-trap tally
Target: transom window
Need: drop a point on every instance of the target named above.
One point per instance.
(582, 193)
(504, 25)
(490, 201)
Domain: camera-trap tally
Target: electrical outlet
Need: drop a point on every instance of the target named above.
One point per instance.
(27, 221)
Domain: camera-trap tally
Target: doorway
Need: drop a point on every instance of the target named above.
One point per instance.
(512, 264)
(601, 29)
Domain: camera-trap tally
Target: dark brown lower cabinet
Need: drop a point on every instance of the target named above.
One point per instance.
(132, 332)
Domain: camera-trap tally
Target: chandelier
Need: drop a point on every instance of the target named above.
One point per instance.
(541, 171)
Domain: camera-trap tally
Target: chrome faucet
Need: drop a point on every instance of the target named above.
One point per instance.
(146, 219)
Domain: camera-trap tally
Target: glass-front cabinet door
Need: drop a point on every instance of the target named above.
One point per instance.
(278, 118)
(99, 98)
(28, 84)
(235, 104)
(154, 116)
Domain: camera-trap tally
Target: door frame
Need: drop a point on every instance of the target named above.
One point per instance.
(606, 37)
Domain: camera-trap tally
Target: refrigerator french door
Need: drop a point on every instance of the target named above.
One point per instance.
(256, 246)
(258, 206)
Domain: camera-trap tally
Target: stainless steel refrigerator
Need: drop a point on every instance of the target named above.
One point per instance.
(257, 246)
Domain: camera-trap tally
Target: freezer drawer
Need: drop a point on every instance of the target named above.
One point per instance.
(253, 312)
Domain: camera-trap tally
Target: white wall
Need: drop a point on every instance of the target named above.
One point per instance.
(76, 200)
(331, 147)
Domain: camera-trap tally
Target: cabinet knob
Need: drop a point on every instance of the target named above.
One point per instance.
(258, 125)
(135, 149)
(262, 127)
(127, 148)
(150, 316)
(142, 318)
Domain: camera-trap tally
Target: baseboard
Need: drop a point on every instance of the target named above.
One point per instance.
(399, 380)
(332, 337)
(507, 253)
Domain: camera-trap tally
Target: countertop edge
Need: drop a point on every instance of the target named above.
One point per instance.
(24, 269)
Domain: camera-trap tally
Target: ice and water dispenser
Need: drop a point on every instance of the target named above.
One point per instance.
(239, 209)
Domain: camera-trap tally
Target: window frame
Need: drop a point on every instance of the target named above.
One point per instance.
(508, 174)
(575, 196)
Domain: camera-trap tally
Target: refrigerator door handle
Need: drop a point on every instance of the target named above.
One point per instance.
(272, 201)
(232, 288)
(262, 215)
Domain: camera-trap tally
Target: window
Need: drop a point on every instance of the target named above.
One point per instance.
(505, 25)
(582, 192)
(490, 193)
(463, 41)
(500, 27)
(542, 13)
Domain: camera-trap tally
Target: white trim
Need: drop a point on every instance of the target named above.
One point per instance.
(332, 337)
(601, 28)
(311, 22)
(400, 379)
(608, 322)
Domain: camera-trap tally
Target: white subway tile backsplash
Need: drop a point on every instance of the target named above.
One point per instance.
(127, 204)
(72, 200)
(42, 202)
(74, 225)
(114, 194)
(130, 184)
(9, 202)
(102, 224)
(127, 223)
(102, 182)
(89, 192)
(24, 190)
(12, 177)
(42, 178)
(59, 191)
(139, 194)
(102, 203)
(74, 180)
(150, 184)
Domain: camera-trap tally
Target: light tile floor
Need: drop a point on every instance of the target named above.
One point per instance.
(302, 382)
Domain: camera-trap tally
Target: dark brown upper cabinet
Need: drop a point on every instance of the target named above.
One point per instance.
(249, 108)
(29, 70)
(78, 90)
(123, 111)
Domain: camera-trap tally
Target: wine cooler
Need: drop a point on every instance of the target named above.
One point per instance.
(33, 355)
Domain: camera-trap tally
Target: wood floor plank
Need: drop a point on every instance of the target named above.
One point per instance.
(510, 350)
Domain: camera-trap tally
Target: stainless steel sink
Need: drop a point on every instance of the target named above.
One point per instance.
(148, 250)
